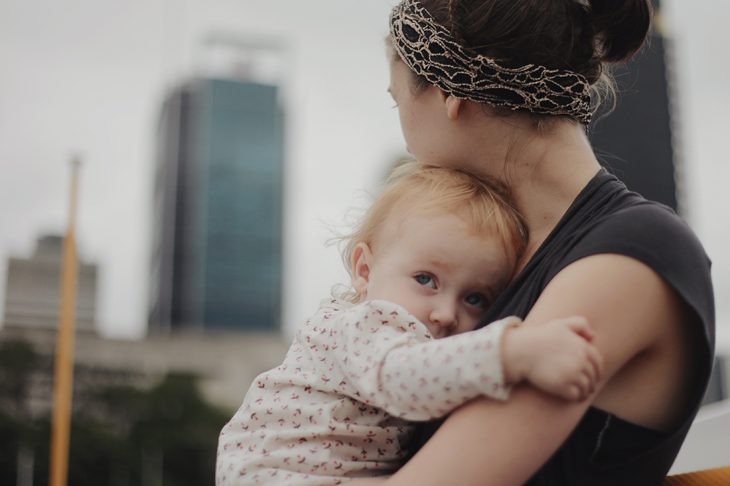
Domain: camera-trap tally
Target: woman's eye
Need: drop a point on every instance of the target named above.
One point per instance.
(425, 280)
(476, 300)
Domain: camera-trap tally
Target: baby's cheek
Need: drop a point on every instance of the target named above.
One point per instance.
(469, 325)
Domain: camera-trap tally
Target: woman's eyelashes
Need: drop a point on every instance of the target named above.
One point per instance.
(426, 280)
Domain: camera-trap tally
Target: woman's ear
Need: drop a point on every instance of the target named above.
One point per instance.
(361, 262)
(453, 107)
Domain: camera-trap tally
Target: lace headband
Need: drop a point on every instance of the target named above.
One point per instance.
(430, 50)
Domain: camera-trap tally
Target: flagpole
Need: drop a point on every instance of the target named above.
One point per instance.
(63, 380)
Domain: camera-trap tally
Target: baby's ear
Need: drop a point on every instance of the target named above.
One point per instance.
(360, 263)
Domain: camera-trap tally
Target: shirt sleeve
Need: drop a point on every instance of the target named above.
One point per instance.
(379, 354)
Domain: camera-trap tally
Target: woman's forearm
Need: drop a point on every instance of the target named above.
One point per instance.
(490, 443)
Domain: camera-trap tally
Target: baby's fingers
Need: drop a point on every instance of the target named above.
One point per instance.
(580, 383)
(586, 386)
(578, 389)
(574, 393)
(580, 326)
(590, 380)
(595, 359)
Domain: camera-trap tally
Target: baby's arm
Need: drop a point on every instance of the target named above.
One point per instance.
(379, 354)
(556, 357)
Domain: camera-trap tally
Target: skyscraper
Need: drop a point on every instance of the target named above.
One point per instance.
(218, 208)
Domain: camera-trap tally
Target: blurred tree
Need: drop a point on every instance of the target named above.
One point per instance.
(179, 432)
(121, 435)
(18, 364)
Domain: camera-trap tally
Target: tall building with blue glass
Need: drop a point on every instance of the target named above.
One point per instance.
(217, 248)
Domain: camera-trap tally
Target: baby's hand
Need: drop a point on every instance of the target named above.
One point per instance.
(556, 357)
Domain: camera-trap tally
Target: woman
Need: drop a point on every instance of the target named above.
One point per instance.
(505, 88)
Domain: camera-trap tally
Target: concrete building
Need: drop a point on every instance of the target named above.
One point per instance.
(217, 249)
(33, 289)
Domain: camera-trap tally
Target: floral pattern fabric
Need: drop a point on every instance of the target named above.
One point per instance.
(341, 404)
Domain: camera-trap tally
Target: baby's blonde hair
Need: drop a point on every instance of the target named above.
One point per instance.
(482, 204)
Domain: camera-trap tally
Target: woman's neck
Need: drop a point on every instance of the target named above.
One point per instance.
(545, 171)
(555, 168)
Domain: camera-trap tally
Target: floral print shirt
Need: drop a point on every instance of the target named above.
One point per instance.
(341, 403)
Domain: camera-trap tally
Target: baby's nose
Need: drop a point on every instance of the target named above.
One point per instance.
(444, 318)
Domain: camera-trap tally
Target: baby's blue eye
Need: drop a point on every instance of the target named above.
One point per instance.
(476, 300)
(425, 280)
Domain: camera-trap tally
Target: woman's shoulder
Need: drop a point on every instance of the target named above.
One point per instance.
(645, 230)
(649, 232)
(656, 236)
(608, 218)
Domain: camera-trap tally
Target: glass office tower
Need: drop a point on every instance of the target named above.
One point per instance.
(218, 208)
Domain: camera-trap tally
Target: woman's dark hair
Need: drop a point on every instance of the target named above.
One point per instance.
(580, 35)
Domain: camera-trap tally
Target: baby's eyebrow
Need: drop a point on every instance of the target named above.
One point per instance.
(487, 284)
(439, 264)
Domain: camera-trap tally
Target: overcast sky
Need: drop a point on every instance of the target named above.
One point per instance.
(88, 77)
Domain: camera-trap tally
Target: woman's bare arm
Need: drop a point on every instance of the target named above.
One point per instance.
(490, 443)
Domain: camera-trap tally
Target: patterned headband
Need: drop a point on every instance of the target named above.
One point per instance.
(430, 51)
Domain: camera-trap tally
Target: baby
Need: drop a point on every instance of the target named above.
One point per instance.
(426, 261)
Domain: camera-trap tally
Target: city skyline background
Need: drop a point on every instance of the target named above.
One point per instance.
(93, 83)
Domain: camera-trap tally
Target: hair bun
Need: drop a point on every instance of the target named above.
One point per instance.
(620, 26)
